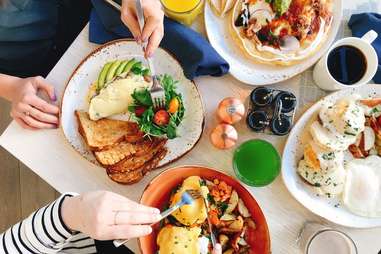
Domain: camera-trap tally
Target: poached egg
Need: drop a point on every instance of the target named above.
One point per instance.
(362, 190)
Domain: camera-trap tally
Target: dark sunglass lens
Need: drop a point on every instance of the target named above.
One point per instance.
(281, 125)
(261, 96)
(257, 120)
(288, 101)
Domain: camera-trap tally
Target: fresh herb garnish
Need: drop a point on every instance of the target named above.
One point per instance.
(348, 133)
(222, 206)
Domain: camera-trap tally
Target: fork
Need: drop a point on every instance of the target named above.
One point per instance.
(187, 198)
(157, 91)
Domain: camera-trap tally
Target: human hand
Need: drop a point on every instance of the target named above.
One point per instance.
(105, 215)
(29, 110)
(217, 249)
(153, 30)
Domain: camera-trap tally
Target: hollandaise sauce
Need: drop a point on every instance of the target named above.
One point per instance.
(184, 11)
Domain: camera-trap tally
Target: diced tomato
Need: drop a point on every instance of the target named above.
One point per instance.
(139, 111)
(213, 215)
(161, 117)
(283, 32)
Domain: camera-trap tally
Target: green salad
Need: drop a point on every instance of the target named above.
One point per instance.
(159, 122)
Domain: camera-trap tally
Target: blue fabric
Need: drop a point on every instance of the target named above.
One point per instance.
(26, 28)
(362, 23)
(194, 53)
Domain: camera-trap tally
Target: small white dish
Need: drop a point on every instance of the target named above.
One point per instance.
(328, 208)
(76, 91)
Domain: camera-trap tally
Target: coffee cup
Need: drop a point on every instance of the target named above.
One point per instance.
(350, 62)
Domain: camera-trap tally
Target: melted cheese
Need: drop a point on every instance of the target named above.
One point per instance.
(115, 97)
(196, 212)
(178, 240)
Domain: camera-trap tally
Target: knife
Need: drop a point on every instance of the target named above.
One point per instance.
(212, 236)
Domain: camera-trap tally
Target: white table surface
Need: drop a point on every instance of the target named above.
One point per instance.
(49, 155)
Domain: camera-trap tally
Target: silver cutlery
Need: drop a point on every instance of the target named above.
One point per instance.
(187, 198)
(157, 91)
(212, 236)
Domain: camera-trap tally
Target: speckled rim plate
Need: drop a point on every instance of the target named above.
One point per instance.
(247, 70)
(74, 97)
(157, 193)
(328, 208)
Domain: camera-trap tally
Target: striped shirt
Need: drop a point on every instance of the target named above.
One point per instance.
(44, 232)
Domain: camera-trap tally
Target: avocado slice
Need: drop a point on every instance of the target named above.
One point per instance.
(121, 67)
(112, 71)
(102, 76)
(281, 6)
(129, 65)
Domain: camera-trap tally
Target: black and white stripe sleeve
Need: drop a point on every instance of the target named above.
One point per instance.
(42, 232)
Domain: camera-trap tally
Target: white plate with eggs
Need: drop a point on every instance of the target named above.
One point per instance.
(332, 207)
(252, 72)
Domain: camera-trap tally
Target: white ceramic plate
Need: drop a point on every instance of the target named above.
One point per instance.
(328, 208)
(249, 71)
(74, 97)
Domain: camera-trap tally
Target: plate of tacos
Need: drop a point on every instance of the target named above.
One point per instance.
(268, 41)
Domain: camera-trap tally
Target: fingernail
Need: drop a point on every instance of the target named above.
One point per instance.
(148, 230)
(54, 97)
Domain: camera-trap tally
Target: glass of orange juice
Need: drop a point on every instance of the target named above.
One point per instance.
(184, 11)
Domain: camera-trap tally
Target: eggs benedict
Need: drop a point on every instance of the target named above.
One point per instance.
(196, 212)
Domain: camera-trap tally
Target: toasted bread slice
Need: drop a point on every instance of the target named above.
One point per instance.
(121, 151)
(135, 162)
(136, 175)
(105, 133)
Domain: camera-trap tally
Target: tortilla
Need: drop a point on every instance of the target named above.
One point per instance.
(260, 31)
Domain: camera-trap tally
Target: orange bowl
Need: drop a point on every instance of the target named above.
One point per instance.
(158, 191)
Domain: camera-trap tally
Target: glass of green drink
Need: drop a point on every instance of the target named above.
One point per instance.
(256, 162)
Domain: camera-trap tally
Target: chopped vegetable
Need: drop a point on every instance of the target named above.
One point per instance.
(139, 111)
(233, 202)
(102, 76)
(281, 6)
(174, 105)
(161, 118)
(147, 121)
(213, 215)
(112, 71)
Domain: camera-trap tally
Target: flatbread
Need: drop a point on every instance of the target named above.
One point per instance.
(262, 36)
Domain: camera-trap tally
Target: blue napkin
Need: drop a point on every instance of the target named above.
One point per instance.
(194, 53)
(362, 23)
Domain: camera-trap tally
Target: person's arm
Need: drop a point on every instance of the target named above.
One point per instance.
(28, 109)
(42, 232)
(153, 30)
(101, 215)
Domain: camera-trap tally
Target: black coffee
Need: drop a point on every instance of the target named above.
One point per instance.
(347, 64)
